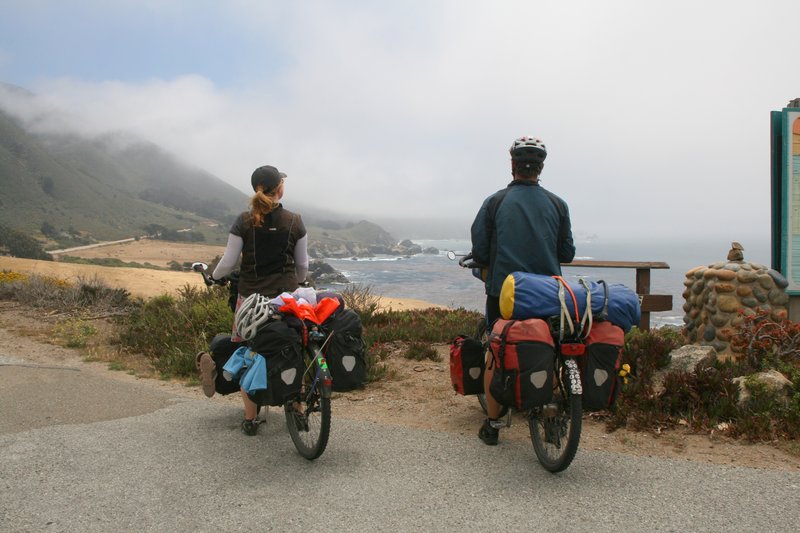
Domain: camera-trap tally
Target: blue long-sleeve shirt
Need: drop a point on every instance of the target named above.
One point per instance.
(529, 231)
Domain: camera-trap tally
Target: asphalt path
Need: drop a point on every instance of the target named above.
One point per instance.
(112, 456)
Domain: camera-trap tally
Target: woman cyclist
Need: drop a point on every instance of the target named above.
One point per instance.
(273, 246)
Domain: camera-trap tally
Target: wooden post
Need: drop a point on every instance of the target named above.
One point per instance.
(643, 288)
(649, 302)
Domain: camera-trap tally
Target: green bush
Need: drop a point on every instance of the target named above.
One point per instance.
(74, 332)
(18, 244)
(172, 330)
(86, 296)
(707, 396)
(362, 300)
(419, 351)
(377, 368)
(430, 325)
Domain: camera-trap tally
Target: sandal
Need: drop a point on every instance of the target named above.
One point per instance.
(208, 372)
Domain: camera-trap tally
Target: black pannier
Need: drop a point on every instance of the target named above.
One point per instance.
(345, 350)
(467, 365)
(221, 348)
(601, 381)
(282, 347)
(524, 355)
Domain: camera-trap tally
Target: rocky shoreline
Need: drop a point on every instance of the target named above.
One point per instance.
(323, 273)
(353, 249)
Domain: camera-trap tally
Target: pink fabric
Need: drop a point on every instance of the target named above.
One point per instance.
(235, 334)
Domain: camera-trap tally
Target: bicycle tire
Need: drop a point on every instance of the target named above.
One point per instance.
(308, 418)
(555, 439)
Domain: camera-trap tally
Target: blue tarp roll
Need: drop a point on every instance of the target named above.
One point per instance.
(527, 295)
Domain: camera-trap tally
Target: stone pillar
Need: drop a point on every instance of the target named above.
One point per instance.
(718, 296)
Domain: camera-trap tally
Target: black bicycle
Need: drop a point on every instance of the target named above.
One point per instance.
(555, 428)
(308, 414)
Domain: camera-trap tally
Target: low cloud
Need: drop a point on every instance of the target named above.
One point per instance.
(656, 120)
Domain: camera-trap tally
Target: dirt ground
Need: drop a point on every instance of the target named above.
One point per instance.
(415, 394)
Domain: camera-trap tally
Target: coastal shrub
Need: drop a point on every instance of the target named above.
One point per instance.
(432, 325)
(171, 330)
(10, 283)
(362, 300)
(107, 262)
(88, 295)
(420, 351)
(376, 366)
(74, 332)
(706, 398)
(18, 244)
(768, 343)
(645, 351)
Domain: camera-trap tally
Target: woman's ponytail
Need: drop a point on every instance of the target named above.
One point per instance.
(261, 205)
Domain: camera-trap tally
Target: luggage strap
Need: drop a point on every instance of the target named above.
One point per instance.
(604, 313)
(586, 321)
(565, 317)
(501, 353)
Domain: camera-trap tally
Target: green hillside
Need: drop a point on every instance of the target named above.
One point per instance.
(106, 188)
(66, 189)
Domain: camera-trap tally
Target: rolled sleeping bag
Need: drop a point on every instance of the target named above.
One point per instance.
(525, 295)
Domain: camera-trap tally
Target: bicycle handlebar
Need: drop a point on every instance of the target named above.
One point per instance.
(467, 262)
(202, 268)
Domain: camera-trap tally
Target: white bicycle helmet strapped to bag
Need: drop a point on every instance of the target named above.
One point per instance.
(529, 148)
(254, 311)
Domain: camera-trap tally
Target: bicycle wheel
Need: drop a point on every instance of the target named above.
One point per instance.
(308, 417)
(555, 435)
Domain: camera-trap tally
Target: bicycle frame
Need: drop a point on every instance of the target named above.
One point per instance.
(316, 341)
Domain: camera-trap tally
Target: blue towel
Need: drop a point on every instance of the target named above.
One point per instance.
(255, 378)
(236, 363)
(249, 368)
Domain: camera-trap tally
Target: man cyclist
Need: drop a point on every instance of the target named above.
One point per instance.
(522, 228)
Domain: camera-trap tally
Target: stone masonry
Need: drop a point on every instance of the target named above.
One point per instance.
(718, 296)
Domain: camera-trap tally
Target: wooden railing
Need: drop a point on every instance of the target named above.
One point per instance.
(650, 303)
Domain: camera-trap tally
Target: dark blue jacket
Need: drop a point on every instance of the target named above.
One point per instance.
(521, 228)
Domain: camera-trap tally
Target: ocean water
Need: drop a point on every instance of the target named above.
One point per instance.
(437, 279)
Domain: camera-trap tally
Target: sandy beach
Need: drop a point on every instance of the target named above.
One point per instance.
(145, 282)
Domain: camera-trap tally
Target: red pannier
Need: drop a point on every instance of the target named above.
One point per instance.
(600, 367)
(524, 355)
(467, 364)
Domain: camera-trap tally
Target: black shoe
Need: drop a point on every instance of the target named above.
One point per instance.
(249, 427)
(488, 434)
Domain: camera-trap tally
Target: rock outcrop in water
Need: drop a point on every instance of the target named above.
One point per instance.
(361, 239)
(324, 274)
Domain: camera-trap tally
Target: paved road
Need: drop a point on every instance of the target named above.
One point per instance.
(180, 464)
(89, 246)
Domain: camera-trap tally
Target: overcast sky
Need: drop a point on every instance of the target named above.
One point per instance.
(655, 113)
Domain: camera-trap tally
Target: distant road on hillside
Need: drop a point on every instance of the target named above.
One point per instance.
(88, 246)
